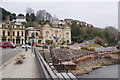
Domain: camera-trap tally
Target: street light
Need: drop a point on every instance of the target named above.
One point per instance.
(31, 28)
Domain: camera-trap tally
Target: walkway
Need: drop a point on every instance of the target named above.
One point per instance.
(28, 69)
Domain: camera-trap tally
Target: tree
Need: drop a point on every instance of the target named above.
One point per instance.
(111, 35)
(30, 16)
(13, 15)
(33, 17)
(27, 17)
(20, 14)
(43, 15)
(29, 11)
(99, 40)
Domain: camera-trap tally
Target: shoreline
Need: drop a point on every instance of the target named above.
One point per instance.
(89, 66)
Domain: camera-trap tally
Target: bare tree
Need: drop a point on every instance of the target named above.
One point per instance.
(29, 10)
(43, 15)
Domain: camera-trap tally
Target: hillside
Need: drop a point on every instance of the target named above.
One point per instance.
(82, 31)
(6, 13)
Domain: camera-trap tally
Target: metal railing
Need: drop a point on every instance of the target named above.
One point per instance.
(52, 72)
(44, 70)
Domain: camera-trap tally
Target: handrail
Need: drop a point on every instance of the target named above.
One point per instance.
(45, 70)
(49, 73)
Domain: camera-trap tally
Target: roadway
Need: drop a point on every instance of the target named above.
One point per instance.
(8, 53)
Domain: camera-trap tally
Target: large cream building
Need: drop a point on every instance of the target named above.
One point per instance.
(57, 31)
(14, 32)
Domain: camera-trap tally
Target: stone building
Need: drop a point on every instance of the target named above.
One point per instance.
(57, 31)
(14, 32)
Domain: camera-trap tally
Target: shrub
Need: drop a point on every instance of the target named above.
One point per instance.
(84, 47)
(87, 48)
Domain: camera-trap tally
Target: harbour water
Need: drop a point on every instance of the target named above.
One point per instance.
(104, 72)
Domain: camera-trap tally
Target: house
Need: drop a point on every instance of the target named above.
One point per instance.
(14, 32)
(20, 19)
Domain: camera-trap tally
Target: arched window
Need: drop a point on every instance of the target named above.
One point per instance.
(67, 35)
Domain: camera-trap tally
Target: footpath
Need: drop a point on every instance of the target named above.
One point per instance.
(28, 69)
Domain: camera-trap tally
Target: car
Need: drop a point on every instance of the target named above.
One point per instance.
(7, 44)
(26, 45)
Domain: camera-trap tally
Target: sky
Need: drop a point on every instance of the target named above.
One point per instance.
(100, 13)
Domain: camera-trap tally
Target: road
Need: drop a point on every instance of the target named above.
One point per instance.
(8, 53)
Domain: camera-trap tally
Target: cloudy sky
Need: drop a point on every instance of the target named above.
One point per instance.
(99, 13)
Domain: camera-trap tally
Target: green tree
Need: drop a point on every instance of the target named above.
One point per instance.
(27, 17)
(33, 18)
(13, 15)
(20, 14)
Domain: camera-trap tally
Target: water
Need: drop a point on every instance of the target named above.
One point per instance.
(105, 72)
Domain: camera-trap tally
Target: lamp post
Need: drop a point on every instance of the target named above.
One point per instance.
(31, 28)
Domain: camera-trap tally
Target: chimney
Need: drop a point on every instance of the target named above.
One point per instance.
(7, 19)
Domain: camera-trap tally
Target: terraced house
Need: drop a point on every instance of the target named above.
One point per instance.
(14, 32)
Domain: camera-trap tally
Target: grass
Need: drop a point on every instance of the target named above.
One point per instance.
(94, 45)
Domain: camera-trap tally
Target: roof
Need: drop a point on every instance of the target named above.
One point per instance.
(18, 23)
(20, 17)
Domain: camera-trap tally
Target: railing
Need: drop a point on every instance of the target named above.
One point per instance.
(52, 72)
(44, 70)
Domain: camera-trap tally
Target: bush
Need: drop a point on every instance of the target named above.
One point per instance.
(87, 48)
(84, 47)
(91, 49)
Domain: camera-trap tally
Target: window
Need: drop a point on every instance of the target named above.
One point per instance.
(13, 40)
(18, 33)
(8, 26)
(22, 33)
(67, 35)
(3, 26)
(8, 39)
(8, 33)
(3, 33)
(13, 27)
(13, 33)
(17, 41)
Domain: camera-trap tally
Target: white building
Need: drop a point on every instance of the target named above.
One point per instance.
(20, 19)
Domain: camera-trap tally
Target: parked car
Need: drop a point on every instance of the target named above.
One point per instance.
(26, 45)
(6, 44)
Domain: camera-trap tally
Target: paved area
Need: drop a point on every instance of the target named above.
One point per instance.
(28, 69)
(8, 53)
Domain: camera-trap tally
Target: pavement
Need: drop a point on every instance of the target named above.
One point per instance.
(28, 69)
(8, 53)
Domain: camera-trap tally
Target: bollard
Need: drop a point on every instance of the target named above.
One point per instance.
(26, 48)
